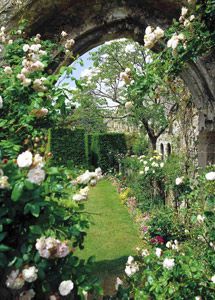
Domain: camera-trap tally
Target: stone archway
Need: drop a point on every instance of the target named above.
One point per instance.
(92, 22)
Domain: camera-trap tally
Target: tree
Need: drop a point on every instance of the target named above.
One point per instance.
(87, 116)
(109, 84)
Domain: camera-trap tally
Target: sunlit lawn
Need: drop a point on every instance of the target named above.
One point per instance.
(112, 236)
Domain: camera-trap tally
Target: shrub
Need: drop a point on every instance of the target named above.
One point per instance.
(69, 145)
(145, 177)
(105, 149)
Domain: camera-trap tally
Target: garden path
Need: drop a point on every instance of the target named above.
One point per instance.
(112, 236)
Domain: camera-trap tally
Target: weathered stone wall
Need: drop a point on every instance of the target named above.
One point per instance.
(92, 22)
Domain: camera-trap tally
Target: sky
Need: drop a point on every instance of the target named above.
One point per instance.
(79, 69)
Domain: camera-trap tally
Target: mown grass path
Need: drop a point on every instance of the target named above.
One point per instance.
(112, 236)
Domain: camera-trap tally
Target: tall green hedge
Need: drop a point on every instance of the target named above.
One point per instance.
(81, 149)
(105, 148)
(69, 146)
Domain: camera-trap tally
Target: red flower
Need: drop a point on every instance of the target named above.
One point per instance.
(157, 240)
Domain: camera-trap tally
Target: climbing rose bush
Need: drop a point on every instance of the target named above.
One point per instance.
(40, 224)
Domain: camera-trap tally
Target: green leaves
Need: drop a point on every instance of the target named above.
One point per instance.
(17, 191)
(32, 208)
(4, 248)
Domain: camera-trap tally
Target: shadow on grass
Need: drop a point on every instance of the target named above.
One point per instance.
(107, 271)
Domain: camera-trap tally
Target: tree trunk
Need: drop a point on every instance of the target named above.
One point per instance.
(153, 141)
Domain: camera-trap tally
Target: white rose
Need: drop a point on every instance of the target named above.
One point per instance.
(169, 244)
(14, 280)
(175, 42)
(98, 171)
(192, 17)
(159, 33)
(181, 36)
(162, 165)
(84, 178)
(38, 66)
(26, 47)
(184, 11)
(79, 197)
(36, 175)
(169, 263)
(148, 30)
(124, 76)
(213, 278)
(145, 252)
(131, 269)
(30, 274)
(69, 44)
(38, 160)
(118, 283)
(93, 182)
(186, 23)
(128, 105)
(179, 181)
(66, 287)
(130, 260)
(210, 176)
(35, 47)
(127, 70)
(26, 82)
(8, 70)
(4, 182)
(146, 169)
(84, 191)
(200, 218)
(24, 160)
(64, 33)
(158, 252)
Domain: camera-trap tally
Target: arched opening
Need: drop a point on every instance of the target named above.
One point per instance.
(86, 40)
(100, 21)
(162, 150)
(168, 149)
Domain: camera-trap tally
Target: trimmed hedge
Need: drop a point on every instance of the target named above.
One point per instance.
(69, 146)
(105, 148)
(81, 149)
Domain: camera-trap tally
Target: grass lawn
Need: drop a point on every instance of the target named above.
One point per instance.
(112, 236)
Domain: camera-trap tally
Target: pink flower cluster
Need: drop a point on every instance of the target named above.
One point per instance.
(52, 248)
